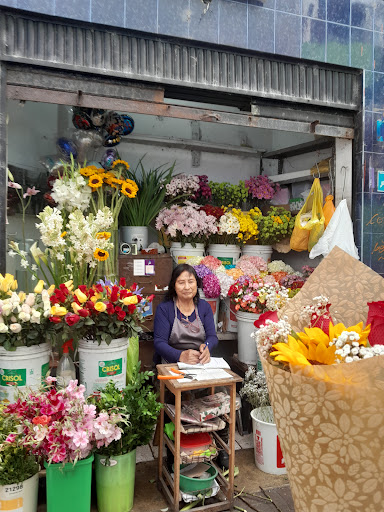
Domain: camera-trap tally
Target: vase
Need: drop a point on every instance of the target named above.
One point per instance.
(263, 251)
(21, 496)
(25, 366)
(135, 235)
(108, 269)
(227, 254)
(115, 483)
(267, 450)
(101, 363)
(246, 345)
(69, 486)
(181, 254)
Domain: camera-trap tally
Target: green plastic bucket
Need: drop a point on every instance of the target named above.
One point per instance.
(115, 484)
(69, 486)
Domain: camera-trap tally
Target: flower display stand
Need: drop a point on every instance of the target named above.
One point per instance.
(170, 485)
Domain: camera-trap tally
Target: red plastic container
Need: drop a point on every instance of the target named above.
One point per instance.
(192, 444)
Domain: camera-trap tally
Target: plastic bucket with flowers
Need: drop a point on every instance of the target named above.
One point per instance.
(227, 254)
(263, 251)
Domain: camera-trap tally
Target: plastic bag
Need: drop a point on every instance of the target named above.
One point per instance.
(339, 232)
(309, 223)
(328, 210)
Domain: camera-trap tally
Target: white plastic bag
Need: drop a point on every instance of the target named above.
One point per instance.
(338, 232)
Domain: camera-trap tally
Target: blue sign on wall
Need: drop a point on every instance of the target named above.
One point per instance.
(380, 180)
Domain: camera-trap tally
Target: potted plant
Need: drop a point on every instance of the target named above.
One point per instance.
(115, 464)
(24, 347)
(138, 213)
(19, 479)
(188, 227)
(102, 318)
(62, 431)
(266, 443)
(252, 296)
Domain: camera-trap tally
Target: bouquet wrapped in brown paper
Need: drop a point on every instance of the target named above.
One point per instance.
(327, 390)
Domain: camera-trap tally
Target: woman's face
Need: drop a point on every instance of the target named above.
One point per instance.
(186, 286)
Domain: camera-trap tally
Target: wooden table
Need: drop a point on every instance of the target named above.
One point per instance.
(169, 485)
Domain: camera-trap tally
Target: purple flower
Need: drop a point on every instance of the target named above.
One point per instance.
(202, 271)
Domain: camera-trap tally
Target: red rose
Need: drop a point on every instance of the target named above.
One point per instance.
(131, 308)
(268, 315)
(99, 288)
(89, 304)
(123, 282)
(121, 315)
(139, 298)
(134, 286)
(376, 319)
(83, 312)
(151, 297)
(110, 309)
(124, 293)
(114, 294)
(83, 289)
(55, 319)
(64, 289)
(71, 319)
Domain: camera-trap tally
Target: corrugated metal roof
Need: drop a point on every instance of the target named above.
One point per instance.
(55, 43)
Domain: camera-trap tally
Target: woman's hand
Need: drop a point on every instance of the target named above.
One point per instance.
(205, 356)
(190, 356)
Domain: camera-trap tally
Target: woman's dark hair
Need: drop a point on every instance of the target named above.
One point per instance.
(183, 267)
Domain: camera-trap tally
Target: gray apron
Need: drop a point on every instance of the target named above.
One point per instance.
(187, 335)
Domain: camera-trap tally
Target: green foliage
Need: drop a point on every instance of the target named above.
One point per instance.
(227, 194)
(132, 357)
(139, 401)
(275, 226)
(142, 209)
(16, 464)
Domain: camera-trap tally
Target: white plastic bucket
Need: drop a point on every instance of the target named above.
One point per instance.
(227, 254)
(230, 320)
(182, 254)
(263, 251)
(101, 363)
(268, 455)
(246, 346)
(20, 497)
(135, 235)
(214, 303)
(25, 366)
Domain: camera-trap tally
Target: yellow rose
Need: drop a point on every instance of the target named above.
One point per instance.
(58, 311)
(81, 296)
(51, 289)
(130, 300)
(75, 306)
(39, 287)
(100, 307)
(69, 285)
(22, 296)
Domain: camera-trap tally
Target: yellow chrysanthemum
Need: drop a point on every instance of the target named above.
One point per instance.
(129, 188)
(336, 330)
(120, 163)
(103, 235)
(101, 254)
(95, 181)
(63, 234)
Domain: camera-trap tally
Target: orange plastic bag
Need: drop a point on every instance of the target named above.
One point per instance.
(309, 223)
(328, 210)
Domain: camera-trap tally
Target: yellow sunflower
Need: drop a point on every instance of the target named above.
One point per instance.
(101, 254)
(95, 181)
(103, 235)
(121, 163)
(114, 182)
(336, 330)
(297, 353)
(87, 171)
(313, 335)
(129, 188)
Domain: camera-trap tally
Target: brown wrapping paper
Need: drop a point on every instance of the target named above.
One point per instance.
(330, 419)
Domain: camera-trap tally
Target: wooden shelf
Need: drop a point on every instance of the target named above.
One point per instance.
(300, 149)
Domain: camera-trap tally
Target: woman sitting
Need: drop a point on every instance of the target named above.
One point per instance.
(184, 328)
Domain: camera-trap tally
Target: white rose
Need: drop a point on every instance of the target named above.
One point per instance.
(3, 328)
(35, 317)
(15, 328)
(24, 317)
(7, 308)
(26, 309)
(30, 300)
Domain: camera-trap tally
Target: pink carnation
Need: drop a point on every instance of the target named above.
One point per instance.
(211, 262)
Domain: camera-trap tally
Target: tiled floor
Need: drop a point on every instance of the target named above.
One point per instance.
(149, 452)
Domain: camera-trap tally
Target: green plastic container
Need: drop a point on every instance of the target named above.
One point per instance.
(197, 485)
(115, 484)
(69, 486)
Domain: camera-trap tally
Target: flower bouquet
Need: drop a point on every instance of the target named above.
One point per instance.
(326, 389)
(260, 189)
(186, 224)
(182, 186)
(101, 313)
(228, 194)
(273, 227)
(256, 295)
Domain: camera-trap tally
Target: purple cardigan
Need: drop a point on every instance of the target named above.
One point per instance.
(164, 318)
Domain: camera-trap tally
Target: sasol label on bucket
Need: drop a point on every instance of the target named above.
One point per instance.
(110, 368)
(13, 377)
(225, 260)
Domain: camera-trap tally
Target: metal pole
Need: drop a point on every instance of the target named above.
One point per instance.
(3, 167)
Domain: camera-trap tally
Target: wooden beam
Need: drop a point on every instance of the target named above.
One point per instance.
(175, 111)
(300, 149)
